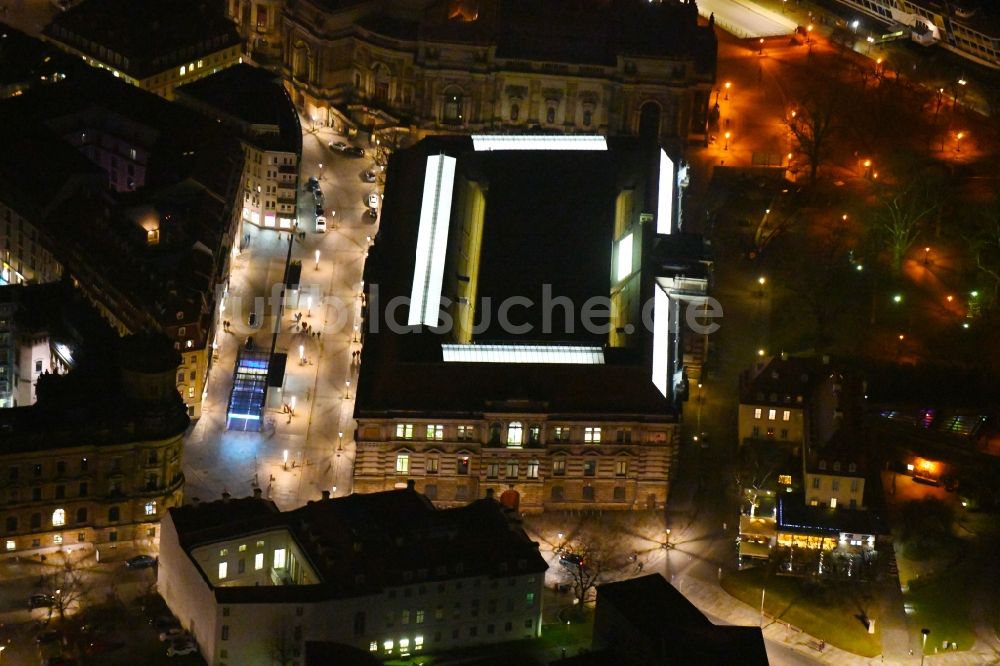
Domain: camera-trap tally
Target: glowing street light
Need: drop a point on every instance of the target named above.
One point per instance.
(321, 171)
(760, 352)
(302, 354)
(760, 51)
(340, 441)
(958, 142)
(898, 298)
(317, 259)
(309, 306)
(726, 147)
(761, 280)
(728, 86)
(927, 255)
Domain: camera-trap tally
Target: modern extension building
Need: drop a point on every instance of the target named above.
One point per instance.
(554, 378)
(255, 105)
(97, 459)
(625, 67)
(386, 573)
(156, 46)
(137, 201)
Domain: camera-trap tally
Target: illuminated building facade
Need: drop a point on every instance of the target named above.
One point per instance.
(385, 573)
(627, 67)
(254, 103)
(520, 392)
(154, 46)
(152, 253)
(77, 473)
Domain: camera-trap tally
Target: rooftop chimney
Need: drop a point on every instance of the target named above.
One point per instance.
(326, 494)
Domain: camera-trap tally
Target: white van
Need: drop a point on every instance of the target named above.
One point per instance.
(320, 224)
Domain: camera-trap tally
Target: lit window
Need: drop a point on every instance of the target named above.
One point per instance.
(131, 152)
(242, 547)
(200, 64)
(223, 569)
(420, 617)
(11, 545)
(57, 539)
(279, 558)
(58, 517)
(150, 508)
(404, 431)
(435, 432)
(258, 561)
(757, 413)
(465, 432)
(592, 435)
(533, 469)
(512, 469)
(624, 257)
(432, 465)
(785, 479)
(772, 414)
(387, 645)
(189, 344)
(183, 70)
(621, 468)
(190, 391)
(373, 647)
(418, 642)
(403, 463)
(404, 644)
(223, 552)
(833, 502)
(515, 433)
(786, 415)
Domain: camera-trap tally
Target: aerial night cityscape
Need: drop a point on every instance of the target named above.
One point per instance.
(499, 332)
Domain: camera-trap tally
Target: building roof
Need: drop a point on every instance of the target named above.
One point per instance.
(539, 243)
(26, 61)
(794, 515)
(663, 615)
(254, 99)
(779, 381)
(388, 539)
(144, 37)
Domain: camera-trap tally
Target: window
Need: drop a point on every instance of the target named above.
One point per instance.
(515, 111)
(60, 491)
(772, 414)
(854, 485)
(258, 561)
(242, 548)
(529, 599)
(816, 482)
(223, 569)
(453, 108)
(588, 493)
(619, 493)
(36, 494)
(589, 467)
(624, 436)
(835, 485)
(558, 494)
(114, 514)
(404, 431)
(786, 415)
(550, 115)
(588, 117)
(36, 521)
(515, 433)
(435, 432)
(420, 617)
(533, 469)
(466, 432)
(404, 617)
(58, 517)
(83, 489)
(784, 433)
(403, 463)
(561, 434)
(592, 435)
(11, 523)
(512, 469)
(83, 464)
(279, 558)
(785, 479)
(432, 464)
(463, 465)
(11, 545)
(621, 467)
(60, 468)
(225, 632)
(492, 470)
(150, 508)
(36, 470)
(757, 413)
(223, 552)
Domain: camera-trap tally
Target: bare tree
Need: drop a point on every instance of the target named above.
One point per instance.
(588, 561)
(902, 211)
(814, 122)
(984, 245)
(758, 468)
(282, 645)
(67, 586)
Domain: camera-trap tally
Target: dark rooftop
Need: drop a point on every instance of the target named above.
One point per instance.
(779, 381)
(26, 61)
(794, 514)
(247, 95)
(663, 617)
(150, 35)
(381, 535)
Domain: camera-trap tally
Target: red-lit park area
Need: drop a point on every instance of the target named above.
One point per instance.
(884, 240)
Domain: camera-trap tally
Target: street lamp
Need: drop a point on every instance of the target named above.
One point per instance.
(309, 306)
(927, 255)
(728, 85)
(700, 400)
(958, 142)
(760, 51)
(897, 298)
(317, 260)
(340, 441)
(302, 354)
(923, 645)
(321, 171)
(726, 147)
(347, 389)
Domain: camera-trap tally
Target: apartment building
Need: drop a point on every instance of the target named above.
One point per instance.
(74, 472)
(385, 573)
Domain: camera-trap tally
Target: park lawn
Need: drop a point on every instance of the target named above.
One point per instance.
(942, 603)
(829, 613)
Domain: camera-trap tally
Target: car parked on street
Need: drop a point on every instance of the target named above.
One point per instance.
(354, 151)
(320, 224)
(318, 195)
(140, 562)
(181, 646)
(41, 601)
(338, 147)
(319, 210)
(369, 175)
(571, 560)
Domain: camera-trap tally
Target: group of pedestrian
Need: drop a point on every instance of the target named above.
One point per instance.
(226, 325)
(356, 356)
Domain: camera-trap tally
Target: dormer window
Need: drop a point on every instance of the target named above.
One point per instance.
(852, 467)
(822, 464)
(836, 467)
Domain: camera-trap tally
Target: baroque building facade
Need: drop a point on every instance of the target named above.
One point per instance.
(627, 67)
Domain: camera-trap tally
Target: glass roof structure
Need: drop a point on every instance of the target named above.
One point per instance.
(482, 142)
(497, 353)
(246, 402)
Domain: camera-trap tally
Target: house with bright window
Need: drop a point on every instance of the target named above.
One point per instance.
(385, 573)
(773, 396)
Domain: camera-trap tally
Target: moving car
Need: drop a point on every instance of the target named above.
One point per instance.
(318, 195)
(571, 560)
(181, 646)
(41, 601)
(339, 146)
(320, 224)
(319, 210)
(369, 175)
(140, 562)
(354, 151)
